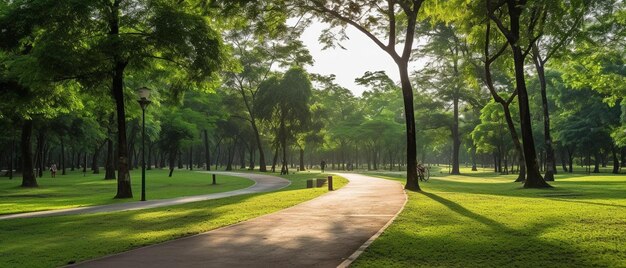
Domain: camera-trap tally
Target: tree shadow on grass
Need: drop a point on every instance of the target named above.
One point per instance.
(450, 241)
(563, 189)
(588, 202)
(469, 214)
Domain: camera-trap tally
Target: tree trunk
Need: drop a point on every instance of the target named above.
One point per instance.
(149, 160)
(132, 159)
(474, 158)
(172, 161)
(302, 168)
(374, 159)
(518, 146)
(283, 143)
(85, 163)
(62, 157)
(369, 159)
(190, 157)
(124, 189)
(251, 159)
(506, 164)
(533, 176)
(230, 156)
(207, 158)
(571, 160)
(257, 136)
(550, 158)
(509, 123)
(78, 160)
(596, 167)
(563, 162)
(12, 155)
(456, 140)
(94, 161)
(242, 156)
(109, 173)
(217, 158)
(229, 163)
(623, 157)
(40, 152)
(615, 161)
(275, 158)
(259, 144)
(180, 158)
(72, 156)
(135, 158)
(409, 114)
(28, 176)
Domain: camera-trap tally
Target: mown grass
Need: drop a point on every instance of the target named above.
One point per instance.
(77, 189)
(485, 220)
(55, 241)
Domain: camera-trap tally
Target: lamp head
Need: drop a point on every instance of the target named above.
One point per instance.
(144, 93)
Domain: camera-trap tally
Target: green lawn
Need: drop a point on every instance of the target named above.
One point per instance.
(485, 220)
(76, 190)
(55, 241)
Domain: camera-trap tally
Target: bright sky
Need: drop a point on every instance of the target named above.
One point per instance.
(360, 55)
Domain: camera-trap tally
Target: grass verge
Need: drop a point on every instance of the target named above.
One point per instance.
(488, 221)
(77, 190)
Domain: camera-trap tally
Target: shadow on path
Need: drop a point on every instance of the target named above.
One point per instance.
(322, 232)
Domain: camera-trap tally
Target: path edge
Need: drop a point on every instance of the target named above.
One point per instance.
(42, 213)
(76, 264)
(347, 262)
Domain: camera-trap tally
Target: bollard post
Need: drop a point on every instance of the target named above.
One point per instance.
(330, 183)
(214, 179)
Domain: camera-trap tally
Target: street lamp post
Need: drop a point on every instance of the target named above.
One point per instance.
(144, 93)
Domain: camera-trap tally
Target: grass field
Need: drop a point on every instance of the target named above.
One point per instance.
(76, 190)
(56, 241)
(484, 220)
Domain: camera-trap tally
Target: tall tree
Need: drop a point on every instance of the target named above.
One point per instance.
(286, 99)
(505, 102)
(394, 20)
(558, 24)
(124, 36)
(444, 74)
(25, 89)
(257, 56)
(515, 10)
(175, 129)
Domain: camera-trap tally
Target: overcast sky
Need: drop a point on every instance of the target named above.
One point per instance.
(360, 55)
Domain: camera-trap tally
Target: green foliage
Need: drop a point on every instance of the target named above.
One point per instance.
(492, 133)
(286, 98)
(597, 60)
(582, 120)
(175, 129)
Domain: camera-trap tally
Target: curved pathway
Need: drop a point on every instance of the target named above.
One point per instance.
(327, 231)
(263, 183)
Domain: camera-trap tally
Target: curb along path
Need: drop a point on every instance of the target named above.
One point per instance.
(322, 232)
(263, 183)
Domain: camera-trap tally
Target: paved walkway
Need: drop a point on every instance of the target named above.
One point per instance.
(322, 232)
(263, 183)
